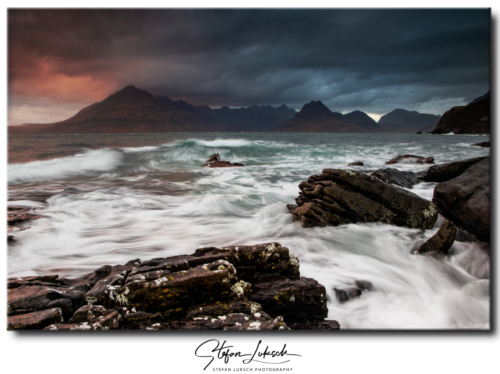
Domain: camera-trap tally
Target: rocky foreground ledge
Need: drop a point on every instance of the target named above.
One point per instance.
(255, 287)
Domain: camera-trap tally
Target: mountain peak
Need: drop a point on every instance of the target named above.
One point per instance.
(314, 109)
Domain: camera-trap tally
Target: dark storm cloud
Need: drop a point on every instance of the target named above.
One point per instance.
(373, 60)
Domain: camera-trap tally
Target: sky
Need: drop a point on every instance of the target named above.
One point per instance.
(60, 61)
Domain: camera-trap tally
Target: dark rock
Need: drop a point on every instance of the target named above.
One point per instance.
(441, 241)
(364, 285)
(393, 176)
(18, 216)
(471, 119)
(214, 157)
(410, 159)
(257, 261)
(344, 295)
(445, 172)
(356, 163)
(296, 300)
(220, 308)
(465, 200)
(111, 321)
(89, 313)
(483, 144)
(418, 132)
(342, 196)
(221, 164)
(315, 325)
(36, 320)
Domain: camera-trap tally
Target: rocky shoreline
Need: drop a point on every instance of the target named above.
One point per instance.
(255, 287)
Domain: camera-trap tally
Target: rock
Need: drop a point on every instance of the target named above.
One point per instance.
(418, 132)
(410, 159)
(111, 321)
(356, 163)
(237, 321)
(89, 313)
(364, 285)
(344, 295)
(257, 262)
(221, 164)
(441, 241)
(342, 196)
(35, 320)
(483, 144)
(315, 325)
(37, 298)
(214, 157)
(296, 300)
(445, 172)
(404, 179)
(465, 200)
(21, 215)
(473, 118)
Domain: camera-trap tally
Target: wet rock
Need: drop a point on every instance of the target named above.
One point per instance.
(347, 294)
(295, 300)
(35, 320)
(364, 285)
(178, 291)
(465, 200)
(356, 163)
(40, 297)
(214, 157)
(315, 325)
(404, 179)
(237, 321)
(445, 172)
(22, 215)
(410, 159)
(89, 313)
(221, 164)
(110, 321)
(256, 261)
(483, 144)
(441, 241)
(339, 197)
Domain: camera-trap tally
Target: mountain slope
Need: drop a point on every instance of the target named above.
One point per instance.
(316, 117)
(474, 118)
(400, 120)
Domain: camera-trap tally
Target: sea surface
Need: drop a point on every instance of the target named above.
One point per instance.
(110, 198)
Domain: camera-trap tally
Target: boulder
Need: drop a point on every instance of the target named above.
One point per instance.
(441, 241)
(221, 164)
(36, 320)
(89, 313)
(418, 132)
(445, 172)
(214, 157)
(356, 163)
(338, 197)
(465, 200)
(410, 159)
(483, 144)
(347, 294)
(404, 179)
(298, 300)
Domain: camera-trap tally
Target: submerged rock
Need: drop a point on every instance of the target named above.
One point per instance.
(338, 197)
(347, 294)
(393, 176)
(221, 164)
(445, 172)
(483, 144)
(442, 240)
(410, 159)
(356, 163)
(465, 200)
(214, 157)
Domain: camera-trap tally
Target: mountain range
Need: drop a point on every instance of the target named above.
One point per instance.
(132, 110)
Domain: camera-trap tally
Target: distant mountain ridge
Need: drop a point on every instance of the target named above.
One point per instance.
(401, 120)
(316, 117)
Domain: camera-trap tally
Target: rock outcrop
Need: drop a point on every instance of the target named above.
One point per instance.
(445, 172)
(441, 241)
(209, 289)
(338, 197)
(356, 163)
(483, 144)
(465, 200)
(473, 118)
(404, 179)
(410, 159)
(221, 164)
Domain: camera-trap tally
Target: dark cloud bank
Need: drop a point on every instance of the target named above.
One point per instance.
(372, 60)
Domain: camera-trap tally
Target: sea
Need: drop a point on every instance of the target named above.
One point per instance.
(110, 198)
